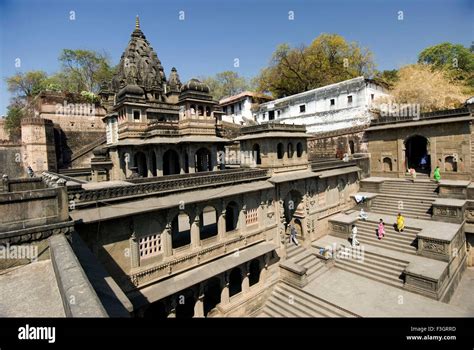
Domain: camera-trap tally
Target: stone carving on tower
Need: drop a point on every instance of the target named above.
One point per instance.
(139, 65)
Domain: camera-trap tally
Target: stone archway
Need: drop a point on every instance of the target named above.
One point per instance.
(416, 148)
(212, 295)
(293, 205)
(140, 163)
(203, 160)
(171, 162)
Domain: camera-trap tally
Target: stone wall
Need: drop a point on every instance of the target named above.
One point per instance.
(336, 144)
(11, 160)
(387, 149)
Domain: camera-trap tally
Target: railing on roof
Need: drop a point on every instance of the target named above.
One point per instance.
(449, 113)
(272, 126)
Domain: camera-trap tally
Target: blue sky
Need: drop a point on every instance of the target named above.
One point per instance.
(215, 32)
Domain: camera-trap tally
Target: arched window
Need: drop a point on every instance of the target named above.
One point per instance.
(180, 231)
(208, 111)
(231, 216)
(171, 163)
(254, 272)
(208, 222)
(235, 281)
(290, 150)
(153, 163)
(450, 164)
(351, 147)
(203, 160)
(256, 153)
(193, 109)
(140, 163)
(299, 149)
(200, 110)
(280, 151)
(387, 164)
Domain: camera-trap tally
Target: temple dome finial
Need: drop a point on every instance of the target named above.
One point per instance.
(137, 22)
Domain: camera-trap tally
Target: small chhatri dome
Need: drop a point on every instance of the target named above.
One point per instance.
(131, 89)
(195, 85)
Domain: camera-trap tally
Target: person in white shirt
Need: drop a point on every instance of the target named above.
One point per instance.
(363, 215)
(354, 236)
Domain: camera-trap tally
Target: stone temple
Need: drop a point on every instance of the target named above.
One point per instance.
(165, 222)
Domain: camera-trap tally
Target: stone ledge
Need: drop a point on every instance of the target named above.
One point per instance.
(293, 274)
(78, 296)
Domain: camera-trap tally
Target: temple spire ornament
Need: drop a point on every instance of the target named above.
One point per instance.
(137, 22)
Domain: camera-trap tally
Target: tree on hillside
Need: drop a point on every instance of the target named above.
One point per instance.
(430, 88)
(13, 121)
(83, 70)
(328, 59)
(454, 59)
(225, 84)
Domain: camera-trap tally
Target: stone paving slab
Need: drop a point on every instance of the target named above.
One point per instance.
(369, 298)
(463, 297)
(30, 291)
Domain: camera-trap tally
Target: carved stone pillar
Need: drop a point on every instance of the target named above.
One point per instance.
(245, 278)
(221, 226)
(195, 231)
(166, 241)
(172, 307)
(242, 226)
(199, 306)
(134, 251)
(225, 296)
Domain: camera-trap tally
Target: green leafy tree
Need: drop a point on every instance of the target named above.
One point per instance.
(83, 70)
(27, 84)
(13, 121)
(226, 83)
(454, 59)
(387, 77)
(328, 59)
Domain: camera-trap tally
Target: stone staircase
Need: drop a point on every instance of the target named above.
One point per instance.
(420, 189)
(418, 208)
(404, 242)
(293, 250)
(376, 267)
(289, 301)
(316, 267)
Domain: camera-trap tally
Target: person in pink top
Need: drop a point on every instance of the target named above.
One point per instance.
(381, 229)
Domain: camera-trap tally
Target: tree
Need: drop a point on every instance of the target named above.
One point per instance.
(430, 88)
(225, 84)
(454, 59)
(328, 59)
(13, 121)
(27, 84)
(387, 77)
(83, 70)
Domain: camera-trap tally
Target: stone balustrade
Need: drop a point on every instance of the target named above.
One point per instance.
(449, 210)
(187, 260)
(165, 185)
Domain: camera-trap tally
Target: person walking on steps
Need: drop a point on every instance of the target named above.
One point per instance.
(381, 229)
(293, 235)
(400, 222)
(436, 174)
(354, 236)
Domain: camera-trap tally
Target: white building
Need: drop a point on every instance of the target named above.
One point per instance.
(328, 108)
(241, 108)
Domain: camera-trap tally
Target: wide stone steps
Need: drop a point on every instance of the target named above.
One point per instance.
(415, 208)
(375, 267)
(293, 250)
(289, 301)
(387, 242)
(411, 192)
(315, 267)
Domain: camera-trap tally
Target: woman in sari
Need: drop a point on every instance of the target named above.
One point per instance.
(381, 229)
(436, 174)
(400, 222)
